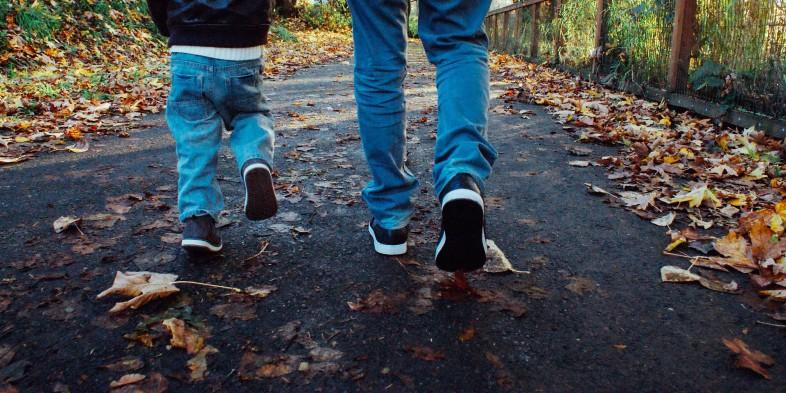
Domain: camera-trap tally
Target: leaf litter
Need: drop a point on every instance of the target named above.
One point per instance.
(677, 170)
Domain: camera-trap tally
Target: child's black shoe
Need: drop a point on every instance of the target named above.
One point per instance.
(260, 202)
(200, 236)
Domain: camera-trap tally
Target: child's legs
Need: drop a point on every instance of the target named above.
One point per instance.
(249, 114)
(196, 128)
(453, 36)
(380, 68)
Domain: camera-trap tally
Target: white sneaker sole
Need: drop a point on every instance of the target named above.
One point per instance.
(200, 244)
(463, 193)
(387, 249)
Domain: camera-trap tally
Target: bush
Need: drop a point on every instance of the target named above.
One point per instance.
(326, 14)
(283, 34)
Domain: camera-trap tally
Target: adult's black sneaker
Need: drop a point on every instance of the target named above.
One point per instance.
(200, 236)
(260, 202)
(388, 241)
(462, 241)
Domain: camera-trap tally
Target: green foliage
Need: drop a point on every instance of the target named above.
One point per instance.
(37, 21)
(5, 8)
(709, 76)
(412, 26)
(283, 34)
(326, 14)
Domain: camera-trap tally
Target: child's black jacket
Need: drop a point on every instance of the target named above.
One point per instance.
(219, 23)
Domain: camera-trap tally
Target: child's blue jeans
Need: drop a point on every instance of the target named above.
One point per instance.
(453, 36)
(207, 96)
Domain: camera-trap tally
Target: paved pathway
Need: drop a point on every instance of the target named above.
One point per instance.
(597, 319)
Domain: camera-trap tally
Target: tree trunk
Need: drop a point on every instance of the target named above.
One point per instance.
(286, 8)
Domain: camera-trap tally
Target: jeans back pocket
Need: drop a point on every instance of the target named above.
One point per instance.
(186, 98)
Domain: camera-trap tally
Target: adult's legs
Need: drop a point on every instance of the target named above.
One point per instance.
(453, 36)
(379, 29)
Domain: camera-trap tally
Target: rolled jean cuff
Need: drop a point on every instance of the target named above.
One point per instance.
(197, 212)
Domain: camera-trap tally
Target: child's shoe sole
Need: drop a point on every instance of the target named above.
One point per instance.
(260, 200)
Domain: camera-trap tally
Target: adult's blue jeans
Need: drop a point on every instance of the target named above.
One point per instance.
(207, 96)
(452, 34)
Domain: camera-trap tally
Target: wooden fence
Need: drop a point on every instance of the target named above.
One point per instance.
(518, 29)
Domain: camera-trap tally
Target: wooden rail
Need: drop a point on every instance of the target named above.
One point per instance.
(682, 46)
(515, 6)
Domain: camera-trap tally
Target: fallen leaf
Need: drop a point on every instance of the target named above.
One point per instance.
(750, 359)
(467, 334)
(579, 163)
(237, 311)
(639, 200)
(127, 379)
(154, 383)
(736, 250)
(65, 222)
(666, 220)
(128, 363)
(581, 285)
(198, 363)
(13, 160)
(322, 354)
(497, 262)
(425, 353)
(184, 336)
(143, 286)
(676, 274)
(261, 292)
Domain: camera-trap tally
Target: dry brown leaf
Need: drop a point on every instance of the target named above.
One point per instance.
(467, 334)
(679, 275)
(127, 379)
(154, 383)
(143, 286)
(128, 363)
(736, 250)
(750, 359)
(184, 336)
(261, 291)
(425, 353)
(237, 311)
(198, 364)
(322, 354)
(581, 285)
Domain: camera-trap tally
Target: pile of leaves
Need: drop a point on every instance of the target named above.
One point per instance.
(95, 67)
(722, 187)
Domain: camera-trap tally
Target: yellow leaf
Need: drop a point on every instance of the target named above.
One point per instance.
(696, 196)
(780, 208)
(665, 121)
(670, 159)
(675, 244)
(21, 139)
(776, 223)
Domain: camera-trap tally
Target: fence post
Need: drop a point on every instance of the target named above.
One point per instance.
(555, 10)
(683, 39)
(505, 32)
(601, 30)
(534, 45)
(517, 44)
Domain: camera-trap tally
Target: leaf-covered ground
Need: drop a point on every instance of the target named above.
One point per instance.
(63, 89)
(572, 303)
(719, 191)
